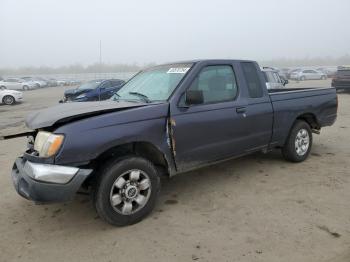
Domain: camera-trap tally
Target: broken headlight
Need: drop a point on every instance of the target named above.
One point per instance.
(47, 144)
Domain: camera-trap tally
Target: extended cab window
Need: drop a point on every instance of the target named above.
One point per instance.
(276, 77)
(255, 89)
(218, 83)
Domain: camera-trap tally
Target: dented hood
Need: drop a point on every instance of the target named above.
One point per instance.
(66, 112)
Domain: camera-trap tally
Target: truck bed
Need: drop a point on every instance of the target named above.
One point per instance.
(318, 104)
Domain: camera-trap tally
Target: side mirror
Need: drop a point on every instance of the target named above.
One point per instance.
(194, 97)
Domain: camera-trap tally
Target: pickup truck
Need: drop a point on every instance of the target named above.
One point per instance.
(166, 120)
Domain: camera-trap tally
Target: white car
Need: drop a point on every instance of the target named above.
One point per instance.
(16, 84)
(10, 97)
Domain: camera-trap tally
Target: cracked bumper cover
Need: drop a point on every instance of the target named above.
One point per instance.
(30, 181)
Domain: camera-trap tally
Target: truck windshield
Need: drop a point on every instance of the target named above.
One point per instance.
(153, 84)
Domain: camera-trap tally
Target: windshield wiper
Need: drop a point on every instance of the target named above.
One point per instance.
(115, 97)
(143, 96)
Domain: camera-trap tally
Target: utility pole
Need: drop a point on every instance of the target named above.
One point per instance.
(100, 58)
(100, 52)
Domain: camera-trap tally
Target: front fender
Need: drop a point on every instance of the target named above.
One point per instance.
(86, 139)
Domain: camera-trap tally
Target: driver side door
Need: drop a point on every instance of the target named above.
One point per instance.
(212, 130)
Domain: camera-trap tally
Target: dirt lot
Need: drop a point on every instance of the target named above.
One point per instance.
(257, 208)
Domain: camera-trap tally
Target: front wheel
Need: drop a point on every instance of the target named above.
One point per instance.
(9, 100)
(302, 78)
(298, 145)
(126, 191)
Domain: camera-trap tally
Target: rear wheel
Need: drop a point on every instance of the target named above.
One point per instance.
(323, 77)
(2, 87)
(8, 100)
(302, 78)
(298, 145)
(25, 88)
(126, 191)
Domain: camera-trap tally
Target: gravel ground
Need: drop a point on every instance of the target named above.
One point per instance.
(256, 208)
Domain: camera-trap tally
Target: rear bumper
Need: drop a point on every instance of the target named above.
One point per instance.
(45, 192)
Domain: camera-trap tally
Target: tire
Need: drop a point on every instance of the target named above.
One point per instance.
(25, 88)
(295, 149)
(112, 184)
(3, 88)
(302, 78)
(323, 77)
(8, 100)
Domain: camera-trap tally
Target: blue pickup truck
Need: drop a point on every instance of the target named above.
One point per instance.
(166, 120)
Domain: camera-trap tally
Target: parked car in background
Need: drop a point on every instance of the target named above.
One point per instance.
(51, 82)
(62, 82)
(10, 97)
(73, 82)
(17, 84)
(39, 83)
(291, 71)
(329, 71)
(283, 72)
(273, 79)
(95, 90)
(341, 81)
(307, 74)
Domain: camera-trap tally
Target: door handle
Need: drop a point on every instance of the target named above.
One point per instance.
(241, 110)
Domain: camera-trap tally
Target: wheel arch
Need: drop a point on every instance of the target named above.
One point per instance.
(140, 148)
(8, 95)
(309, 118)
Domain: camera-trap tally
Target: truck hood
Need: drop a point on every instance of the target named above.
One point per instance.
(67, 112)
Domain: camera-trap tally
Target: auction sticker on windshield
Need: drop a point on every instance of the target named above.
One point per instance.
(178, 70)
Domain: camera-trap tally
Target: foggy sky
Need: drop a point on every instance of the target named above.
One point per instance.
(62, 32)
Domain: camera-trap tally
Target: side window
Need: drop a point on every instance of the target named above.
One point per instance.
(116, 83)
(277, 77)
(106, 84)
(271, 77)
(218, 84)
(255, 89)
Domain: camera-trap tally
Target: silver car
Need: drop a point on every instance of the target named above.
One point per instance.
(307, 74)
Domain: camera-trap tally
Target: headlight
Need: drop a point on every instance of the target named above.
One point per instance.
(81, 96)
(47, 144)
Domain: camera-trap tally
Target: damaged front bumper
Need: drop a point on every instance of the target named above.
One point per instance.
(44, 183)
